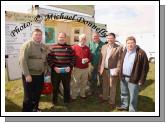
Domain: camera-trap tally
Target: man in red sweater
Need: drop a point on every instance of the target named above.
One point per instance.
(80, 71)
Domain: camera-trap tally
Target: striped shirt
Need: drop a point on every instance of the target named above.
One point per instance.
(61, 56)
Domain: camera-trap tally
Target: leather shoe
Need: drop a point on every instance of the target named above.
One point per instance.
(121, 108)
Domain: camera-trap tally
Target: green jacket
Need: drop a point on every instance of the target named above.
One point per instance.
(95, 50)
(32, 58)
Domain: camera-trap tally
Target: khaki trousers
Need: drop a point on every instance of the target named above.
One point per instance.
(79, 82)
(109, 86)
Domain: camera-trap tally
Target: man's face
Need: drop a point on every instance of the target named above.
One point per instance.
(95, 38)
(110, 39)
(61, 38)
(37, 36)
(83, 40)
(130, 44)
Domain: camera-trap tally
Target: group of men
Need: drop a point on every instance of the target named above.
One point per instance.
(95, 64)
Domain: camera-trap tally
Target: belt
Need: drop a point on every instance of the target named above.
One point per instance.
(126, 76)
(106, 68)
(34, 58)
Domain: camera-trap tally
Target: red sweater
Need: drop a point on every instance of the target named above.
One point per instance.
(80, 53)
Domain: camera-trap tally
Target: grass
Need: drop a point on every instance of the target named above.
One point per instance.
(146, 101)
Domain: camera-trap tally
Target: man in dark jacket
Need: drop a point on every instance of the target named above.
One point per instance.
(134, 69)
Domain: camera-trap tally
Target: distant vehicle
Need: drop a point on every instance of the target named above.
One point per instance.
(151, 57)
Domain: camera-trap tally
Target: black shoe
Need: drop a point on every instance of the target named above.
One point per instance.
(72, 100)
(36, 110)
(54, 103)
(66, 104)
(83, 97)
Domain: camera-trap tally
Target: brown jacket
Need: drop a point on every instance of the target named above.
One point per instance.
(140, 67)
(114, 59)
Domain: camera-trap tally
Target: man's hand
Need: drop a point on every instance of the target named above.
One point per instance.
(28, 78)
(139, 84)
(45, 72)
(57, 70)
(86, 60)
(116, 71)
(100, 72)
(67, 69)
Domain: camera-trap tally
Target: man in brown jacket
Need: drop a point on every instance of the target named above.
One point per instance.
(134, 69)
(109, 69)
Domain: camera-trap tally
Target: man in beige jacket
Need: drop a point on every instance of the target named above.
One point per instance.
(109, 69)
(33, 64)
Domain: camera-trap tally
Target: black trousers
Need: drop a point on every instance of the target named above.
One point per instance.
(32, 92)
(56, 79)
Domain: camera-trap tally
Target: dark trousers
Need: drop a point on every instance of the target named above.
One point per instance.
(93, 75)
(56, 79)
(32, 92)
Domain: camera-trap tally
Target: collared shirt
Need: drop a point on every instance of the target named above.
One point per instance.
(108, 54)
(79, 44)
(95, 49)
(128, 62)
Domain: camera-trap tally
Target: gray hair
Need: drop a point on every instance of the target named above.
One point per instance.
(82, 36)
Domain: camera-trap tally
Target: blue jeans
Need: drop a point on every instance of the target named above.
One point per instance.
(128, 88)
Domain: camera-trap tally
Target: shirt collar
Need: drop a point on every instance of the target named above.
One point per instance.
(97, 42)
(79, 44)
(110, 45)
(132, 51)
(36, 42)
(61, 44)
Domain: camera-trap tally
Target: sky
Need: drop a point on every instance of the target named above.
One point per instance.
(126, 19)
(129, 20)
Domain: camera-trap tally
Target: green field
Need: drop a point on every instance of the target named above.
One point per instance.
(146, 101)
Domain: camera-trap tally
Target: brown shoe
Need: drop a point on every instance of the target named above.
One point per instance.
(102, 100)
(112, 106)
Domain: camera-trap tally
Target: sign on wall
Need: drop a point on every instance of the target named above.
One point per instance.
(18, 29)
(49, 35)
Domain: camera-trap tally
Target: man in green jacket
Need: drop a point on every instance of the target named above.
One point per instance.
(95, 47)
(33, 65)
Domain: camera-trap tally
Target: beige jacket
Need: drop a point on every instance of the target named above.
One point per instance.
(32, 58)
(114, 59)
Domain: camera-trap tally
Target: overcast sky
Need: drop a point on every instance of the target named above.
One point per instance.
(127, 19)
